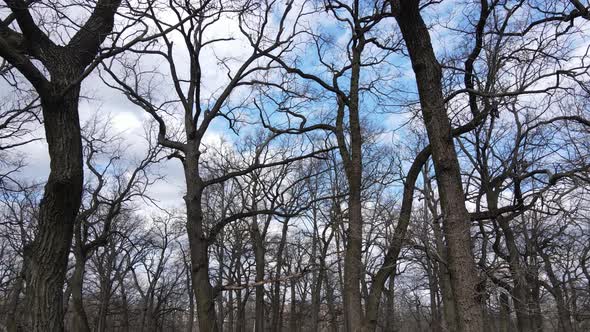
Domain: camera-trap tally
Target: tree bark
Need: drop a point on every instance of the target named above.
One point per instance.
(353, 166)
(259, 253)
(199, 243)
(80, 319)
(47, 256)
(456, 222)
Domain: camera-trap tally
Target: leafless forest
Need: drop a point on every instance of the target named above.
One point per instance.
(295, 165)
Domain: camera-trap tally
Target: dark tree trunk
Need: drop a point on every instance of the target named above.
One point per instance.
(441, 270)
(354, 169)
(204, 293)
(259, 253)
(47, 256)
(445, 282)
(317, 283)
(79, 319)
(198, 242)
(456, 222)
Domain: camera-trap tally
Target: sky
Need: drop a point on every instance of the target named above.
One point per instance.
(129, 121)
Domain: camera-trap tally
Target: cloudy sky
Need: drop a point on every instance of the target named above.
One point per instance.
(129, 121)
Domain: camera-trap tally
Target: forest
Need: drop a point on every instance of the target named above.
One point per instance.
(295, 165)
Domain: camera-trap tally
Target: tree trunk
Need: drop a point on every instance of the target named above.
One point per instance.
(435, 323)
(198, 242)
(259, 252)
(520, 291)
(241, 321)
(445, 282)
(293, 315)
(191, 297)
(563, 315)
(276, 314)
(353, 166)
(80, 319)
(444, 279)
(456, 222)
(504, 313)
(220, 308)
(316, 280)
(204, 294)
(317, 291)
(47, 256)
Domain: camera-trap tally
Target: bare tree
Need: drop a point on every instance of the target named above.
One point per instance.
(55, 71)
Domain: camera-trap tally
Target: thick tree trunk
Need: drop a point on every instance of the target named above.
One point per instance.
(47, 256)
(456, 220)
(204, 293)
(444, 279)
(198, 242)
